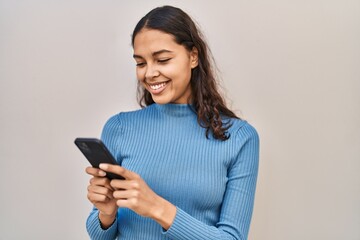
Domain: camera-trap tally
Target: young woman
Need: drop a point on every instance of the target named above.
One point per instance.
(190, 165)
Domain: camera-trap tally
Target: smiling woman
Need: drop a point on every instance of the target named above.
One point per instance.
(163, 66)
(189, 164)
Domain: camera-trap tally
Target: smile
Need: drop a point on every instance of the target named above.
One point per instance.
(157, 88)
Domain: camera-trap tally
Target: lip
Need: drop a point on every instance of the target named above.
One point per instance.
(157, 88)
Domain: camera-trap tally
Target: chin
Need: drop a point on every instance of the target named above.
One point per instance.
(161, 100)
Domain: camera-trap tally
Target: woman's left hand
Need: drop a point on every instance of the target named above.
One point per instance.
(135, 194)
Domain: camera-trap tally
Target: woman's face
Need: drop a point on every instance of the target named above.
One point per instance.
(163, 66)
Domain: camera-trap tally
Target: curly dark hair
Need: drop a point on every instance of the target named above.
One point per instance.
(209, 105)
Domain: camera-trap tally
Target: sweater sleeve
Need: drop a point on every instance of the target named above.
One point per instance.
(95, 230)
(109, 136)
(238, 201)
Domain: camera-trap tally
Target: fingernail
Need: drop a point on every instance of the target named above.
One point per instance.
(103, 166)
(102, 173)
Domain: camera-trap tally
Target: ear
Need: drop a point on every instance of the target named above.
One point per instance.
(194, 57)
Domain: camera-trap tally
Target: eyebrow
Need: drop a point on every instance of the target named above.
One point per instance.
(154, 53)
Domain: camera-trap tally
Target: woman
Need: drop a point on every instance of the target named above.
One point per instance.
(190, 165)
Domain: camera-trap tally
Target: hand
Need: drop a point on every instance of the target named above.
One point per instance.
(100, 193)
(135, 194)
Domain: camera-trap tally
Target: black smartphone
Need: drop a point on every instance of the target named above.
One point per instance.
(96, 152)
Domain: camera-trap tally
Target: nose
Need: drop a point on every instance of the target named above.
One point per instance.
(151, 72)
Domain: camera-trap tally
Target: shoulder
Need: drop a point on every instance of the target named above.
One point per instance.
(118, 123)
(139, 113)
(245, 142)
(243, 131)
(123, 119)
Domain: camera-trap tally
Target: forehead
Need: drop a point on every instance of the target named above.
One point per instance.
(150, 40)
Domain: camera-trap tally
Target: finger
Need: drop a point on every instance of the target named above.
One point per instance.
(94, 197)
(130, 203)
(101, 182)
(127, 174)
(100, 190)
(125, 194)
(95, 172)
(125, 184)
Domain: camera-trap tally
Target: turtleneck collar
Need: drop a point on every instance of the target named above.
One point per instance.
(176, 110)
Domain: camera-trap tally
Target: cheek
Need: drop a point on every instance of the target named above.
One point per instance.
(184, 75)
(177, 72)
(140, 74)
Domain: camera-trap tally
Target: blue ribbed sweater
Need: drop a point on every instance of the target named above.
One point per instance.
(211, 182)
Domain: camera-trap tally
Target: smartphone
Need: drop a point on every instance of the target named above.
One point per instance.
(96, 152)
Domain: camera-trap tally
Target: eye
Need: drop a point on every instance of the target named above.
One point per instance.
(164, 60)
(140, 64)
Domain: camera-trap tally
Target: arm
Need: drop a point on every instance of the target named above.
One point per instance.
(95, 229)
(102, 221)
(236, 212)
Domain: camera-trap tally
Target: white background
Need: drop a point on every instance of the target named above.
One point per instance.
(291, 68)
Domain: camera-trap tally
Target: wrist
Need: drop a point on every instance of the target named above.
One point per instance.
(106, 220)
(106, 215)
(164, 214)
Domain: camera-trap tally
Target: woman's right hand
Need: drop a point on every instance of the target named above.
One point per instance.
(100, 193)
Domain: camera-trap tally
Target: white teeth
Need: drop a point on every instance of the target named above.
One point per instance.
(157, 86)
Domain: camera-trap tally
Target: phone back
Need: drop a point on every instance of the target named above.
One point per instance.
(96, 152)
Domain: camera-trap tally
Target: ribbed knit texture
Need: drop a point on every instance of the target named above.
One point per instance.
(211, 182)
